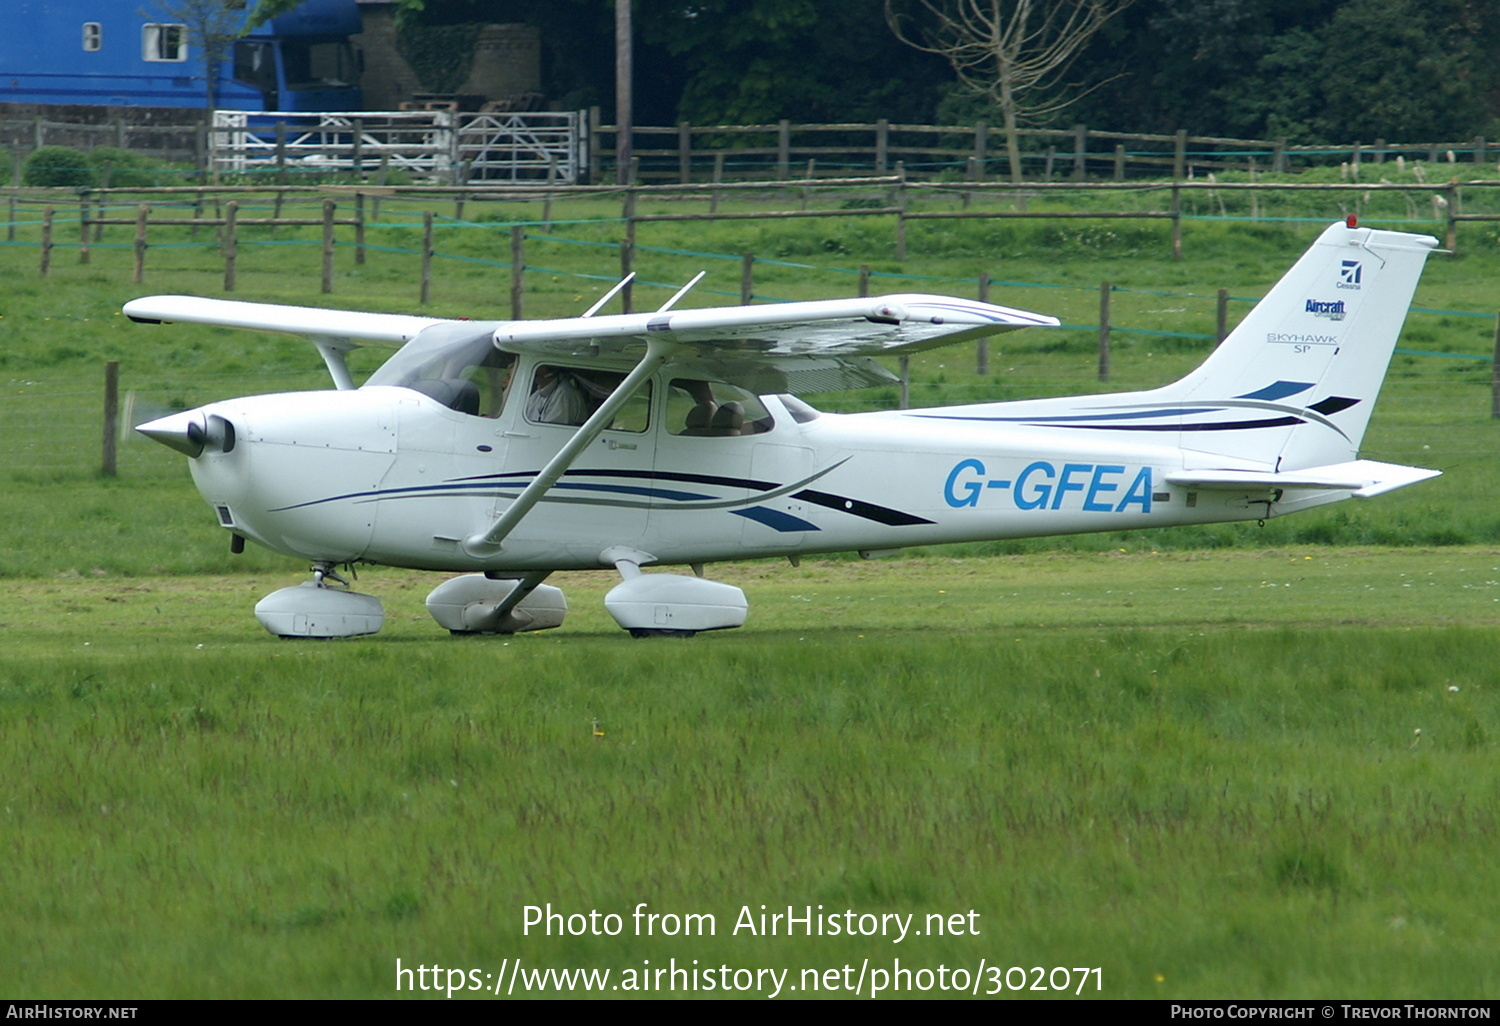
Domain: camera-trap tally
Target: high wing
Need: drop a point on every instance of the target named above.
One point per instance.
(785, 347)
(351, 327)
(770, 348)
(334, 332)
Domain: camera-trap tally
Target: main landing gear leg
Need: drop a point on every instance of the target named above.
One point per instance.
(317, 609)
(479, 604)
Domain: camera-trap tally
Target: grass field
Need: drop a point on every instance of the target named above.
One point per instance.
(1255, 775)
(1229, 762)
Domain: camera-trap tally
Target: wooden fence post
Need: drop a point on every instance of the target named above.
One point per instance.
(747, 278)
(627, 256)
(1080, 152)
(981, 143)
(882, 145)
(864, 280)
(517, 270)
(1221, 331)
(1176, 222)
(142, 215)
(426, 287)
(905, 362)
(1495, 375)
(1104, 290)
(83, 227)
(359, 228)
(108, 465)
(595, 163)
(982, 353)
(900, 205)
(783, 149)
(684, 152)
(627, 250)
(231, 242)
(47, 239)
(1119, 162)
(1451, 242)
(103, 203)
(328, 207)
(1179, 156)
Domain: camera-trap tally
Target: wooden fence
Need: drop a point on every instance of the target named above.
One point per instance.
(685, 153)
(894, 198)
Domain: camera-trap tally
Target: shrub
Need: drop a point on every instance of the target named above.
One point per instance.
(127, 169)
(58, 166)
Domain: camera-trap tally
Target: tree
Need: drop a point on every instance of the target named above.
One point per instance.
(211, 27)
(1014, 52)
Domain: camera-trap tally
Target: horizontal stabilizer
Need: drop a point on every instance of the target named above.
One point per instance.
(1361, 478)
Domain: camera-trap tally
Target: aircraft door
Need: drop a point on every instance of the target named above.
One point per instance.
(604, 497)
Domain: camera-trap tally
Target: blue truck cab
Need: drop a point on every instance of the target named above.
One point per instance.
(125, 53)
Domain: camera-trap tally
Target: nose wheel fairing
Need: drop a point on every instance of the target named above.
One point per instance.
(312, 609)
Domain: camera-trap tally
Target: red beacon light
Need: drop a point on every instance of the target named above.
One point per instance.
(1352, 220)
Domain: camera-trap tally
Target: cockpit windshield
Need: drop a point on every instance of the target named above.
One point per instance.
(457, 364)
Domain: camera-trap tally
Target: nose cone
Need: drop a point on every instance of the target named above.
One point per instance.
(185, 432)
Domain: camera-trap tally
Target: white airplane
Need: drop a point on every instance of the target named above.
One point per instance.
(507, 450)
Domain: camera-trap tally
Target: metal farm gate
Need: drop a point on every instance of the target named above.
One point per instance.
(535, 147)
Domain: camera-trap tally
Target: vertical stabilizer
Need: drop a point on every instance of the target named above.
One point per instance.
(1294, 384)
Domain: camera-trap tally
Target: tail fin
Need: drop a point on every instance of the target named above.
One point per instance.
(1294, 384)
(1290, 389)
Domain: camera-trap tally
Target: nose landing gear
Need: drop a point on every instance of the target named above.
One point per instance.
(317, 609)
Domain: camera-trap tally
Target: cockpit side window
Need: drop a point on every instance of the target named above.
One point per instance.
(449, 363)
(714, 409)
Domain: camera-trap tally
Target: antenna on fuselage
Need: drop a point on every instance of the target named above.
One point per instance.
(680, 293)
(611, 294)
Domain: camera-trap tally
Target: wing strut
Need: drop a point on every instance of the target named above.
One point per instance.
(488, 542)
(332, 351)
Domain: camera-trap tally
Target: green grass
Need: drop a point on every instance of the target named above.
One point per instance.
(1107, 771)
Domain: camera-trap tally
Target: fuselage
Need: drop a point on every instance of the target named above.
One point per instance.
(393, 476)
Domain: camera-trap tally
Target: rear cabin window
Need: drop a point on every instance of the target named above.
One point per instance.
(93, 36)
(164, 43)
(714, 409)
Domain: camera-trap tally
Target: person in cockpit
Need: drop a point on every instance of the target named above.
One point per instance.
(555, 399)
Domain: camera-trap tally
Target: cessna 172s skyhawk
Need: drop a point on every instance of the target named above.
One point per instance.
(508, 450)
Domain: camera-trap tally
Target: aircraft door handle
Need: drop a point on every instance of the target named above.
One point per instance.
(613, 444)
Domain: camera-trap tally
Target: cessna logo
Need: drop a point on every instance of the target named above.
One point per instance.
(1333, 310)
(1349, 274)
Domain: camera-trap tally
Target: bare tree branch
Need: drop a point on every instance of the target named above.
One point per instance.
(1012, 51)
